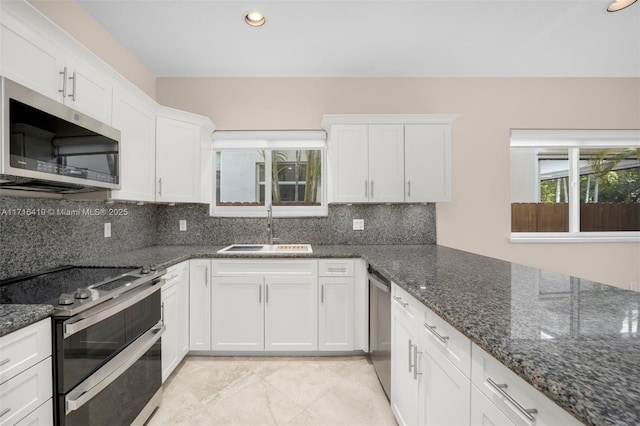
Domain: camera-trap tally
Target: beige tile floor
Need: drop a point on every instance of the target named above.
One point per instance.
(319, 391)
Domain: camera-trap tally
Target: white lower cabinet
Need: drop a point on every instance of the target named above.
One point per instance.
(26, 382)
(200, 304)
(485, 412)
(237, 315)
(262, 305)
(426, 387)
(519, 402)
(336, 307)
(175, 314)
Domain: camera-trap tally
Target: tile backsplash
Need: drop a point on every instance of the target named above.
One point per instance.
(37, 234)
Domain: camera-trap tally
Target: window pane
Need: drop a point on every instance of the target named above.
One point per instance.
(539, 190)
(237, 177)
(296, 177)
(609, 189)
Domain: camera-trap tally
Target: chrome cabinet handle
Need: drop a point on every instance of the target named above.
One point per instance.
(5, 411)
(366, 188)
(415, 360)
(500, 387)
(432, 329)
(337, 269)
(5, 361)
(160, 187)
(206, 275)
(162, 312)
(371, 189)
(322, 293)
(399, 300)
(409, 188)
(63, 73)
(260, 293)
(73, 95)
(410, 364)
(266, 293)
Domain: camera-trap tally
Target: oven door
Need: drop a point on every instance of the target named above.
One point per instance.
(122, 392)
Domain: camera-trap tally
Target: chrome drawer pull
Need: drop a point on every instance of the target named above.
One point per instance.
(432, 329)
(410, 364)
(399, 300)
(5, 411)
(500, 387)
(5, 361)
(337, 269)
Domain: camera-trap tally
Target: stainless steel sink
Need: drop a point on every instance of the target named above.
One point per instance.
(267, 249)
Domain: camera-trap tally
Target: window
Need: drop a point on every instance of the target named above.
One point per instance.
(575, 185)
(254, 170)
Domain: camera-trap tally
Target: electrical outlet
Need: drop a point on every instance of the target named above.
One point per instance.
(107, 230)
(358, 224)
(183, 225)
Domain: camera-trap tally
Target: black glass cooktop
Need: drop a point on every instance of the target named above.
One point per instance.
(46, 287)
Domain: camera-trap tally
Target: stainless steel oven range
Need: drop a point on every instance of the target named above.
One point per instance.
(106, 340)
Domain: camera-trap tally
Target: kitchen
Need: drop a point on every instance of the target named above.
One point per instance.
(475, 220)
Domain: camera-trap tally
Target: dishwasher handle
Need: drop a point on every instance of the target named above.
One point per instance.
(380, 282)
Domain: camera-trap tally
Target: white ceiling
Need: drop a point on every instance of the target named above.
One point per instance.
(364, 38)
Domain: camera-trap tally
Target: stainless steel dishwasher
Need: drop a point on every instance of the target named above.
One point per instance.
(380, 327)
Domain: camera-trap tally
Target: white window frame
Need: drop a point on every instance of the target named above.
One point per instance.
(270, 141)
(573, 140)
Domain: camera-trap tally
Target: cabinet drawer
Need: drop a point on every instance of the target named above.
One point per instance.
(408, 304)
(512, 395)
(175, 273)
(242, 267)
(25, 392)
(335, 268)
(42, 416)
(24, 348)
(455, 346)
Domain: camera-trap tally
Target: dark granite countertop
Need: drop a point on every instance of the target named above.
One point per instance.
(15, 317)
(575, 340)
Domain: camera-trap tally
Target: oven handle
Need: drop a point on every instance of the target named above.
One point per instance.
(109, 308)
(106, 375)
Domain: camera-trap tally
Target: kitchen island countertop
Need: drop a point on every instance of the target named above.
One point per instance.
(574, 340)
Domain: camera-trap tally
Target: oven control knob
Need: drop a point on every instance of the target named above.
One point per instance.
(153, 268)
(83, 293)
(145, 270)
(66, 299)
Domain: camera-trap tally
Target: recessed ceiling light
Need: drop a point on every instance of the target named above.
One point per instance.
(256, 19)
(619, 5)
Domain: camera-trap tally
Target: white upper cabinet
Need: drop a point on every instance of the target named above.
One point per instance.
(386, 163)
(32, 58)
(179, 136)
(427, 162)
(389, 158)
(136, 120)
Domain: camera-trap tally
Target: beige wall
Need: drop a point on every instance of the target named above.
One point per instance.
(73, 19)
(478, 218)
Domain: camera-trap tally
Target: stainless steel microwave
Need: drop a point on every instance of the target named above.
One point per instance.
(47, 146)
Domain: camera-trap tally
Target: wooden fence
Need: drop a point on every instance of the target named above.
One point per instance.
(594, 217)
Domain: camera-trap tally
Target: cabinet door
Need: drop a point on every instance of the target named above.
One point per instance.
(237, 314)
(170, 312)
(386, 163)
(29, 59)
(199, 305)
(484, 412)
(136, 121)
(41, 416)
(177, 160)
(405, 386)
(427, 163)
(447, 391)
(88, 91)
(335, 327)
(349, 165)
(291, 313)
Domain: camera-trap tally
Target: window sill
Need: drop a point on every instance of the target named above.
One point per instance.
(578, 237)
